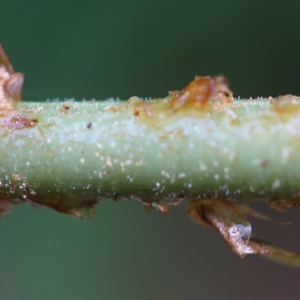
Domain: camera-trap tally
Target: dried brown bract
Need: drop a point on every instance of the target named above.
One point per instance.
(10, 94)
(10, 83)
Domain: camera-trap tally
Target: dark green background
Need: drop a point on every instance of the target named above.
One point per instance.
(100, 49)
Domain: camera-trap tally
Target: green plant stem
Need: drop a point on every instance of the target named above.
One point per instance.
(246, 150)
(198, 145)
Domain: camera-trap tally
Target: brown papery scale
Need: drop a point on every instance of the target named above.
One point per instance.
(196, 95)
(200, 91)
(10, 94)
(10, 82)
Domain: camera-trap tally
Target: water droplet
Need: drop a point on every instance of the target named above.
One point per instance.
(82, 160)
(216, 176)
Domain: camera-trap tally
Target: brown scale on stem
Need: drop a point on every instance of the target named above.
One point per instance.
(230, 220)
(12, 119)
(65, 107)
(145, 107)
(10, 94)
(196, 95)
(285, 106)
(10, 83)
(200, 91)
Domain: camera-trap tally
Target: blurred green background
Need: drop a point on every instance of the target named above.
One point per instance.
(100, 49)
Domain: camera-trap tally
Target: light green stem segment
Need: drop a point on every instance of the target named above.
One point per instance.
(75, 156)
